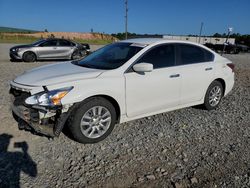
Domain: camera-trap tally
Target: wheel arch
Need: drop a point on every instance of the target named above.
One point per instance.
(29, 51)
(73, 51)
(222, 81)
(110, 99)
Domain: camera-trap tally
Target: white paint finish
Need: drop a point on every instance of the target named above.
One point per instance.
(138, 95)
(27, 88)
(149, 92)
(195, 79)
(56, 73)
(143, 67)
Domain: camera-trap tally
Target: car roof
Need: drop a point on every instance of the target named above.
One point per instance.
(148, 41)
(143, 40)
(155, 41)
(56, 39)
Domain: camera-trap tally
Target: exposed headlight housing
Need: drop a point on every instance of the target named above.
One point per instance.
(15, 49)
(49, 98)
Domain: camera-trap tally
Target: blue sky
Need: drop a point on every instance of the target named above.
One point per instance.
(144, 16)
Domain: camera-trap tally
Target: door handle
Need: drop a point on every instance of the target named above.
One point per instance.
(54, 48)
(208, 69)
(174, 75)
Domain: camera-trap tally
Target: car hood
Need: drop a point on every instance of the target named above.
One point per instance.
(55, 74)
(22, 46)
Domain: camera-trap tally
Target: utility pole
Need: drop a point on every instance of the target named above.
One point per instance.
(230, 29)
(200, 32)
(126, 19)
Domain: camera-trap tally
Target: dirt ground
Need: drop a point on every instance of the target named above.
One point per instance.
(186, 148)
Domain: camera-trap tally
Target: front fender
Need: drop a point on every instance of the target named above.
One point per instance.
(83, 89)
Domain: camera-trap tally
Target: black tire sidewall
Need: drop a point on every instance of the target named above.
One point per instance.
(73, 55)
(211, 86)
(25, 57)
(75, 119)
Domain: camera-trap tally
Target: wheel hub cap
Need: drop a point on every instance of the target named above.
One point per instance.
(215, 96)
(95, 122)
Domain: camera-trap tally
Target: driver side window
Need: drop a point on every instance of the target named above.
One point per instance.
(49, 43)
(161, 56)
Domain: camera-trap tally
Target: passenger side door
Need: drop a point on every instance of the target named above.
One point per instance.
(151, 92)
(48, 49)
(196, 66)
(65, 48)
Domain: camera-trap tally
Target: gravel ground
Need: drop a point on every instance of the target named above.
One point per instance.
(184, 148)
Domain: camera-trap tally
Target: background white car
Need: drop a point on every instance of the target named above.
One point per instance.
(118, 83)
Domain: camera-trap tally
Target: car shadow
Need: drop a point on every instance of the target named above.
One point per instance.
(67, 132)
(13, 163)
(199, 107)
(15, 60)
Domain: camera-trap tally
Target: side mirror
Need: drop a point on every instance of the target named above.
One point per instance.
(143, 67)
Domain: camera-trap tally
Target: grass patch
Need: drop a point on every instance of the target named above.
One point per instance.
(21, 39)
(95, 41)
(17, 39)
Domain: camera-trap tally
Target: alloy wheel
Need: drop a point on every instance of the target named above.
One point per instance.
(95, 122)
(215, 96)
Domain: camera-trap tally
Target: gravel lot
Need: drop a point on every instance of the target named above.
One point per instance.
(185, 148)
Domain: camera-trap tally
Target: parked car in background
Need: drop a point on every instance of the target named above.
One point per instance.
(243, 48)
(51, 48)
(86, 48)
(228, 48)
(120, 82)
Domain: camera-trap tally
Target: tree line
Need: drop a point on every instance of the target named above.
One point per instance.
(239, 39)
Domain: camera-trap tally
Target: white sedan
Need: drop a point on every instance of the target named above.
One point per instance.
(120, 82)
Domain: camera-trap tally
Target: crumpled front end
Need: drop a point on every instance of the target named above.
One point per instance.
(40, 120)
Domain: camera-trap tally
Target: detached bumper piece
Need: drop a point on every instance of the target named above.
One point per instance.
(43, 122)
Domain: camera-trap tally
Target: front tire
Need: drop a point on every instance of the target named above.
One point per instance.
(93, 121)
(213, 95)
(29, 57)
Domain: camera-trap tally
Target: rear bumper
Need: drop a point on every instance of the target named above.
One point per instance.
(229, 84)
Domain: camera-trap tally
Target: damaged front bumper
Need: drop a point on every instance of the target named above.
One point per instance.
(31, 120)
(44, 121)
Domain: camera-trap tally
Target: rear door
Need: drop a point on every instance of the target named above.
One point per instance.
(154, 91)
(48, 49)
(196, 66)
(65, 48)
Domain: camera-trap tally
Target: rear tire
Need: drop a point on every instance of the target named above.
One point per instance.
(76, 55)
(29, 57)
(93, 121)
(213, 95)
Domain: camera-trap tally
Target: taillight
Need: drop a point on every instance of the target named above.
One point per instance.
(231, 66)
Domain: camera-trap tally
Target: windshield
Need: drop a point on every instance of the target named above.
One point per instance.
(111, 56)
(38, 42)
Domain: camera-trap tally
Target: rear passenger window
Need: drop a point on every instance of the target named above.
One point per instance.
(193, 54)
(64, 43)
(160, 57)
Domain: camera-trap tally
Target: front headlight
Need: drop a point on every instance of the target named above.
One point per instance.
(50, 98)
(15, 49)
